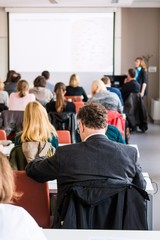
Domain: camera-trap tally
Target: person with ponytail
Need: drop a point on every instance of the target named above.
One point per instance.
(60, 105)
(18, 100)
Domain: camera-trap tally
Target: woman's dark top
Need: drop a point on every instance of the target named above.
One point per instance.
(10, 87)
(142, 78)
(51, 107)
(131, 87)
(76, 91)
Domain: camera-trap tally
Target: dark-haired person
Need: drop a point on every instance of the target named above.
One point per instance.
(15, 222)
(60, 105)
(131, 85)
(74, 89)
(18, 100)
(11, 81)
(141, 75)
(42, 94)
(95, 159)
(49, 85)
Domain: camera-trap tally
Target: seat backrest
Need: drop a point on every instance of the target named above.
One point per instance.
(116, 119)
(35, 198)
(103, 207)
(3, 135)
(17, 158)
(78, 105)
(74, 98)
(11, 122)
(64, 121)
(64, 136)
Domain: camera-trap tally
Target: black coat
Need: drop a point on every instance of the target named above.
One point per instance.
(135, 111)
(110, 204)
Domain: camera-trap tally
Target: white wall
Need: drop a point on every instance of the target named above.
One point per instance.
(3, 45)
(85, 78)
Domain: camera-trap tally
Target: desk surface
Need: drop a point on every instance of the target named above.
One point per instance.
(61, 234)
(149, 187)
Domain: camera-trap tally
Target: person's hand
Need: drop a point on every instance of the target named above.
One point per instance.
(126, 80)
(142, 94)
(1, 147)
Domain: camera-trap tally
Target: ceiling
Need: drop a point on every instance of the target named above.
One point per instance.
(78, 3)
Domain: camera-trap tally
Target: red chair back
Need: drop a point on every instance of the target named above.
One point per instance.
(3, 135)
(74, 98)
(35, 198)
(78, 105)
(64, 136)
(116, 119)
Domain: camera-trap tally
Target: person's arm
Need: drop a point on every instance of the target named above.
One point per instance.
(43, 170)
(138, 179)
(144, 82)
(144, 85)
(85, 97)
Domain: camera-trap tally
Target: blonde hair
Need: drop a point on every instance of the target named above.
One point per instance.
(7, 186)
(22, 88)
(106, 80)
(142, 63)
(1, 86)
(98, 87)
(74, 80)
(36, 124)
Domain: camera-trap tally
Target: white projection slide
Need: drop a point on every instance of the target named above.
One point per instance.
(64, 42)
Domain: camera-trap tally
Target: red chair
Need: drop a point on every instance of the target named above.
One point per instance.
(35, 198)
(3, 135)
(78, 105)
(74, 98)
(116, 119)
(64, 136)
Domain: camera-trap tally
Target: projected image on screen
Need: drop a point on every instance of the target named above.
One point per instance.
(64, 42)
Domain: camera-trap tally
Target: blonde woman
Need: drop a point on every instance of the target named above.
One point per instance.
(101, 95)
(38, 136)
(15, 222)
(74, 89)
(141, 74)
(18, 100)
(3, 96)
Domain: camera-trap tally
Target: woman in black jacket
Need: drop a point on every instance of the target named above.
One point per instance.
(74, 89)
(60, 105)
(141, 74)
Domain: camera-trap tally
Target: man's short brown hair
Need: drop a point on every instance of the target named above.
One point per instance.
(93, 115)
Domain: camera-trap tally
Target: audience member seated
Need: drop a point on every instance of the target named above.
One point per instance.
(79, 167)
(11, 82)
(60, 105)
(130, 85)
(49, 85)
(3, 97)
(74, 89)
(101, 95)
(38, 137)
(18, 100)
(112, 133)
(42, 94)
(107, 83)
(15, 222)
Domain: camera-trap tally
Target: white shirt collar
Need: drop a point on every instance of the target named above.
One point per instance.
(93, 135)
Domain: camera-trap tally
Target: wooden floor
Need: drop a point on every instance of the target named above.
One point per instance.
(149, 148)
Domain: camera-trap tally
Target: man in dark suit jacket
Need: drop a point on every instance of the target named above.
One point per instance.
(95, 158)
